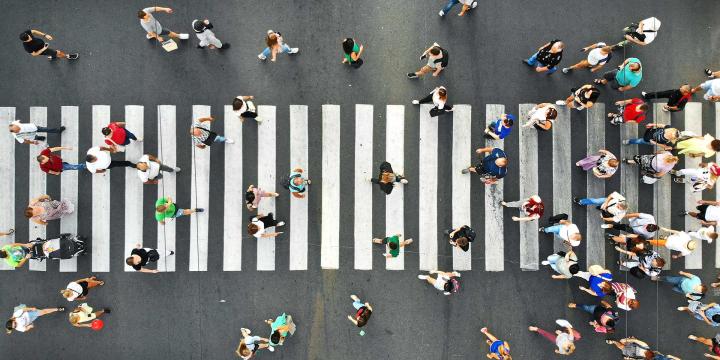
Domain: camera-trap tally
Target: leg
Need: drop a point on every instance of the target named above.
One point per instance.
(657, 242)
(424, 70)
(555, 229)
(592, 201)
(448, 7)
(549, 336)
(47, 311)
(487, 333)
(265, 53)
(513, 204)
(623, 227)
(427, 100)
(50, 130)
(67, 166)
(93, 282)
(532, 61)
(701, 340)
(123, 163)
(587, 308)
(638, 141)
(166, 168)
(130, 136)
(219, 139)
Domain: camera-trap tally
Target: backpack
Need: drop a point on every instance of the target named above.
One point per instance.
(288, 184)
(470, 234)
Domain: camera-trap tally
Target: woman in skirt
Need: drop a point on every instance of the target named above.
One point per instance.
(654, 166)
(253, 195)
(259, 226)
(42, 209)
(603, 165)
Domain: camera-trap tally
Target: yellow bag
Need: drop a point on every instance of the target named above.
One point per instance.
(169, 45)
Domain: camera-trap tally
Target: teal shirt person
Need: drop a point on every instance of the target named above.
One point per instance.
(625, 76)
(688, 284)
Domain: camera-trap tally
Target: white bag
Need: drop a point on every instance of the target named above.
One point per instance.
(169, 45)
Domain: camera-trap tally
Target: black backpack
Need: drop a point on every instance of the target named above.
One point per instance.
(470, 234)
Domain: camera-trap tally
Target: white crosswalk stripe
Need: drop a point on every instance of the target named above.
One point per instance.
(134, 120)
(69, 181)
(363, 188)
(330, 232)
(562, 164)
(266, 181)
(693, 123)
(494, 227)
(100, 197)
(37, 185)
(528, 168)
(661, 190)
(233, 220)
(461, 194)
(395, 155)
(200, 197)
(594, 235)
(7, 186)
(299, 207)
(167, 154)
(427, 171)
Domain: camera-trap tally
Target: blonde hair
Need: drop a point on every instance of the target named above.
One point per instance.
(74, 318)
(671, 159)
(66, 293)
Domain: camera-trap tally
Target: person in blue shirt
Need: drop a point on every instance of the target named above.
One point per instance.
(500, 128)
(493, 166)
(625, 77)
(688, 284)
(709, 313)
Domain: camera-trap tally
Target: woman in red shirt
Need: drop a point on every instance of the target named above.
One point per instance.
(629, 110)
(533, 208)
(117, 136)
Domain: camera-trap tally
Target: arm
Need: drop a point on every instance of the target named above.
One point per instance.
(204, 119)
(623, 251)
(623, 102)
(38, 221)
(588, 291)
(144, 270)
(438, 69)
(40, 33)
(633, 40)
(669, 230)
(625, 88)
(359, 53)
(37, 53)
(59, 148)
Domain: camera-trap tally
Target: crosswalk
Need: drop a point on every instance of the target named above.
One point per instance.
(489, 253)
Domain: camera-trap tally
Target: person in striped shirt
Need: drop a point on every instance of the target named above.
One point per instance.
(624, 296)
(203, 137)
(26, 133)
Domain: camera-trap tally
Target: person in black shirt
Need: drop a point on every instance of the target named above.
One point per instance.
(139, 257)
(461, 237)
(547, 58)
(582, 98)
(677, 98)
(36, 46)
(387, 178)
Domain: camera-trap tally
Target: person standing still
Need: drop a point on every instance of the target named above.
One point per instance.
(26, 133)
(152, 26)
(36, 46)
(206, 36)
(547, 58)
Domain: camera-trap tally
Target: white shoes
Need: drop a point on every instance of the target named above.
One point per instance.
(184, 36)
(272, 349)
(294, 51)
(545, 262)
(560, 102)
(422, 277)
(229, 141)
(139, 139)
(177, 169)
(261, 57)
(259, 120)
(474, 5)
(147, 36)
(441, 13)
(280, 223)
(415, 102)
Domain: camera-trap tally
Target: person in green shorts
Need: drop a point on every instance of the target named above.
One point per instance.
(166, 209)
(351, 52)
(625, 77)
(393, 244)
(280, 328)
(16, 254)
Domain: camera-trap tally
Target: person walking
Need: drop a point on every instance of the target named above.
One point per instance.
(43, 208)
(260, 224)
(393, 243)
(493, 166)
(153, 28)
(613, 207)
(625, 296)
(16, 254)
(660, 135)
(561, 227)
(646, 263)
(275, 45)
(639, 225)
(701, 178)
(706, 233)
(499, 349)
(149, 169)
(141, 257)
(630, 110)
(387, 178)
(203, 137)
(249, 345)
(642, 33)
(547, 58)
(23, 317)
(625, 77)
(208, 40)
(352, 50)
(679, 241)
(53, 164)
(166, 209)
(446, 282)
(708, 212)
(437, 61)
(542, 116)
(599, 281)
(467, 5)
(254, 194)
(117, 136)
(713, 345)
(533, 208)
(677, 98)
(363, 310)
(711, 88)
(708, 313)
(297, 183)
(654, 166)
(83, 316)
(564, 340)
(581, 98)
(632, 348)
(98, 160)
(500, 128)
(603, 317)
(687, 284)
(603, 165)
(633, 243)
(244, 107)
(280, 328)
(698, 146)
(461, 237)
(598, 55)
(79, 289)
(564, 264)
(438, 97)
(35, 46)
(26, 133)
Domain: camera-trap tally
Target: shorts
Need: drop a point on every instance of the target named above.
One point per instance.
(701, 211)
(440, 284)
(50, 52)
(610, 77)
(165, 32)
(707, 86)
(32, 315)
(178, 213)
(357, 305)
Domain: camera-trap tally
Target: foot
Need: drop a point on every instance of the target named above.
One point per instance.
(354, 297)
(107, 310)
(147, 36)
(60, 309)
(541, 229)
(683, 213)
(692, 337)
(280, 223)
(225, 46)
(199, 210)
(72, 56)
(261, 57)
(545, 262)
(526, 62)
(259, 120)
(403, 181)
(308, 182)
(229, 141)
(176, 169)
(576, 200)
(172, 252)
(412, 75)
(606, 226)
(483, 330)
(184, 36)
(415, 102)
(464, 171)
(503, 203)
(644, 94)
(62, 128)
(441, 13)
(681, 308)
(566, 70)
(560, 103)
(422, 277)
(11, 231)
(245, 330)
(533, 328)
(572, 305)
(626, 142)
(294, 51)
(474, 5)
(139, 139)
(271, 348)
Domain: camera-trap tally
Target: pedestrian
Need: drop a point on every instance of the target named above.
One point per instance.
(16, 254)
(244, 107)
(642, 33)
(542, 116)
(660, 135)
(630, 110)
(632, 348)
(564, 340)
(260, 224)
(653, 166)
(206, 36)
(547, 58)
(437, 61)
(393, 244)
(708, 212)
(533, 208)
(700, 178)
(500, 128)
(679, 241)
(203, 137)
(625, 296)
(280, 329)
(79, 289)
(53, 164)
(613, 207)
(446, 282)
(499, 349)
(712, 74)
(561, 227)
(84, 316)
(249, 345)
(352, 50)
(467, 5)
(492, 168)
(149, 169)
(677, 98)
(165, 209)
(639, 225)
(713, 345)
(711, 87)
(697, 146)
(26, 133)
(599, 281)
(709, 313)
(687, 284)
(140, 257)
(153, 28)
(387, 178)
(98, 160)
(438, 97)
(275, 45)
(634, 244)
(625, 77)
(23, 317)
(581, 98)
(603, 165)
(43, 208)
(648, 263)
(598, 55)
(117, 136)
(297, 183)
(603, 316)
(564, 264)
(363, 310)
(35, 46)
(254, 194)
(461, 237)
(706, 233)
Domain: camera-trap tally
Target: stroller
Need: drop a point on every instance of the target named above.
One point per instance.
(66, 246)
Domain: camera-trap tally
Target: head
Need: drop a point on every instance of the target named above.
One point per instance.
(10, 326)
(658, 262)
(442, 93)
(435, 51)
(671, 133)
(671, 160)
(42, 159)
(635, 67)
(348, 44)
(715, 145)
(557, 47)
(74, 318)
(613, 163)
(387, 177)
(271, 40)
(14, 128)
(713, 236)
(243, 351)
(297, 181)
(249, 197)
(161, 208)
(25, 37)
(610, 324)
(622, 206)
(508, 120)
(90, 158)
(200, 26)
(685, 89)
(700, 289)
(237, 104)
(142, 166)
(633, 304)
(651, 227)
(448, 287)
(66, 293)
(576, 237)
(29, 212)
(252, 229)
(501, 162)
(392, 246)
(716, 318)
(606, 287)
(574, 268)
(142, 15)
(106, 131)
(649, 355)
(551, 113)
(362, 319)
(275, 337)
(462, 242)
(132, 260)
(643, 107)
(570, 348)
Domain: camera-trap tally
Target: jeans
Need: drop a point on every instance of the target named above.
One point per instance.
(284, 49)
(449, 6)
(123, 163)
(48, 130)
(590, 309)
(358, 304)
(533, 61)
(129, 136)
(675, 281)
(592, 201)
(220, 139)
(638, 141)
(67, 166)
(555, 229)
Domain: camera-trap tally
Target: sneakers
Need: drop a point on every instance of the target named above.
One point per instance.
(199, 210)
(560, 102)
(147, 36)
(62, 128)
(563, 323)
(576, 200)
(644, 94)
(259, 120)
(294, 51)
(606, 226)
(566, 70)
(271, 348)
(60, 309)
(441, 13)
(280, 223)
(184, 36)
(229, 141)
(683, 213)
(403, 181)
(176, 169)
(261, 57)
(422, 277)
(412, 76)
(465, 171)
(107, 310)
(172, 252)
(308, 182)
(474, 5)
(626, 142)
(72, 56)
(545, 262)
(415, 102)
(541, 229)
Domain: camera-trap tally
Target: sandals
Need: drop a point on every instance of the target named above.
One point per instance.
(598, 82)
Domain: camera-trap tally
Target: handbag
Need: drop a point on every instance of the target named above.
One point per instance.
(169, 45)
(357, 63)
(435, 112)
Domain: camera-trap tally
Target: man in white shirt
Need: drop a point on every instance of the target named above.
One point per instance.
(98, 160)
(26, 133)
(149, 168)
(206, 36)
(613, 207)
(643, 33)
(639, 224)
(566, 230)
(679, 241)
(708, 212)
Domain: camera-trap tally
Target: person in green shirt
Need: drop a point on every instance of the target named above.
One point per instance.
(393, 244)
(625, 77)
(280, 328)
(166, 209)
(351, 52)
(16, 254)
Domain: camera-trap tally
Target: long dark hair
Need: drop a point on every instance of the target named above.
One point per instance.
(348, 45)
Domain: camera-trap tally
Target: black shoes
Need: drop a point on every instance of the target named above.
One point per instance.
(199, 210)
(576, 200)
